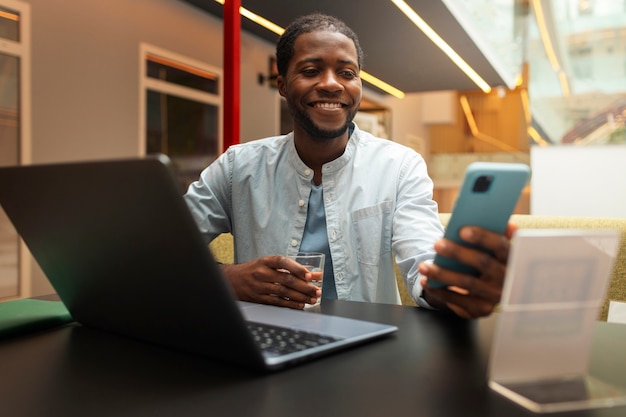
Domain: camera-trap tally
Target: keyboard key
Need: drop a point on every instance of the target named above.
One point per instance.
(282, 340)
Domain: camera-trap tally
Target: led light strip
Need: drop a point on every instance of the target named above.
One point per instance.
(183, 67)
(381, 84)
(9, 16)
(441, 44)
(548, 47)
(272, 27)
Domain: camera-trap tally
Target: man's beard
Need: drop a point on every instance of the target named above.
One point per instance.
(303, 119)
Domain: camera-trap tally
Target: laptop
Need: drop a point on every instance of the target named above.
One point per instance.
(118, 244)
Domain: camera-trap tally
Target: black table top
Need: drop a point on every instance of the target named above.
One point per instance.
(435, 366)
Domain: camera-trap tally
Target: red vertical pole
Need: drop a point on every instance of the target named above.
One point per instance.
(232, 62)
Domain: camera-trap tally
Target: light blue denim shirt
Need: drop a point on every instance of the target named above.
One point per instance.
(377, 197)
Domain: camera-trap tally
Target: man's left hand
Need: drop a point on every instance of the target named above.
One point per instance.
(466, 295)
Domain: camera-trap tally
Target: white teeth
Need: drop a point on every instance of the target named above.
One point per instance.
(328, 105)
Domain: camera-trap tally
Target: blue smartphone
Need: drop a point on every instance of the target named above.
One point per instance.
(487, 198)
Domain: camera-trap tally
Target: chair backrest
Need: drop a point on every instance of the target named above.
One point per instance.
(223, 248)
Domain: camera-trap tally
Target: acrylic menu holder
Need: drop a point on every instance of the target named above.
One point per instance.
(556, 282)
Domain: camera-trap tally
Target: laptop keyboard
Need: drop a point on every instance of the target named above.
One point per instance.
(282, 340)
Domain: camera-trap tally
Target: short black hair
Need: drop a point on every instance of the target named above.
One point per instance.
(315, 22)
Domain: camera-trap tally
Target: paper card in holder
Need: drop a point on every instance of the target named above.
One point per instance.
(556, 282)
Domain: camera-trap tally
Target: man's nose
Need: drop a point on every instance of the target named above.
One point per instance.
(329, 81)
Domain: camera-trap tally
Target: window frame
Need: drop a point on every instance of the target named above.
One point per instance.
(160, 86)
(22, 50)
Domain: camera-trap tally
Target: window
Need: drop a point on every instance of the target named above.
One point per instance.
(182, 113)
(14, 133)
(582, 61)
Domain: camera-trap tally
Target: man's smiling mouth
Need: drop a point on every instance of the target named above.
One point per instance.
(326, 105)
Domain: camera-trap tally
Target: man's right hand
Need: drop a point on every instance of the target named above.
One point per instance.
(275, 280)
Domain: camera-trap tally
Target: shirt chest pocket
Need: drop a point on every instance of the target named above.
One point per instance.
(372, 227)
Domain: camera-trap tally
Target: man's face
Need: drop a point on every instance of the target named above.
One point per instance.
(322, 84)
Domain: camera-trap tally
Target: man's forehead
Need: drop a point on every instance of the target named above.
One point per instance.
(324, 42)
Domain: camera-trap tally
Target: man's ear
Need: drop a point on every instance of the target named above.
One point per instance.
(280, 83)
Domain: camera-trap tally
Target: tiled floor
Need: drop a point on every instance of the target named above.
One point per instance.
(8, 258)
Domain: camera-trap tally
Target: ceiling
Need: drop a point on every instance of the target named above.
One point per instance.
(396, 51)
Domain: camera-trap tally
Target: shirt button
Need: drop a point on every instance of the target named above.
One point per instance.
(307, 172)
(301, 203)
(294, 243)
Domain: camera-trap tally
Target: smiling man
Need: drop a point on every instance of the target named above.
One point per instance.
(330, 187)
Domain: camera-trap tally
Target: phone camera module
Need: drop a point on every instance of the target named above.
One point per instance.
(482, 183)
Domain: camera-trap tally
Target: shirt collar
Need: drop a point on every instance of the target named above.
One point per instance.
(331, 166)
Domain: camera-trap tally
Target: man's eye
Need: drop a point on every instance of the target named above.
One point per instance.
(310, 71)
